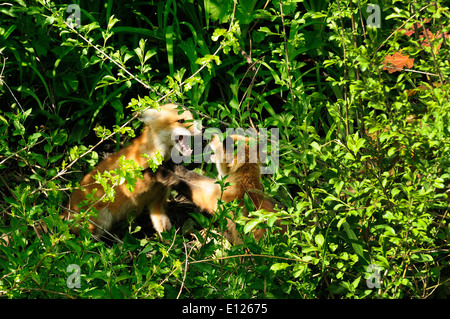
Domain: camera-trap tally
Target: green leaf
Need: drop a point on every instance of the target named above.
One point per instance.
(395, 191)
(392, 151)
(250, 225)
(319, 239)
(356, 244)
(421, 258)
(314, 176)
(248, 203)
(337, 289)
(340, 222)
(55, 158)
(384, 261)
(279, 266)
(316, 146)
(338, 187)
(169, 47)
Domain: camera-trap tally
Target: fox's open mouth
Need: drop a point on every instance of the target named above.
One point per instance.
(183, 147)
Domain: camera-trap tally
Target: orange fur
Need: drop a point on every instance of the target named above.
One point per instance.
(161, 127)
(204, 192)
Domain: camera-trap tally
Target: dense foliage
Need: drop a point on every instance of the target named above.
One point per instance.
(358, 91)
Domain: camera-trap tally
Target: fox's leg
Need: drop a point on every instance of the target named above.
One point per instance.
(104, 221)
(157, 211)
(191, 176)
(204, 194)
(97, 226)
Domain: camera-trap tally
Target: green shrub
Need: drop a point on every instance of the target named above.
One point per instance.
(364, 165)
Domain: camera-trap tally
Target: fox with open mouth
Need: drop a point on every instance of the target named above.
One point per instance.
(240, 169)
(164, 129)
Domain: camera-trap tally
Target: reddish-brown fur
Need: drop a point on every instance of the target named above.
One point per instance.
(205, 193)
(148, 193)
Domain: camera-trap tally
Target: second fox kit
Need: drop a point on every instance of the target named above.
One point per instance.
(243, 172)
(163, 130)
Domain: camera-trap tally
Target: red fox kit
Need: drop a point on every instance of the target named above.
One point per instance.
(164, 129)
(243, 173)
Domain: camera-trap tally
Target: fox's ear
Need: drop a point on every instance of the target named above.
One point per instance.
(150, 116)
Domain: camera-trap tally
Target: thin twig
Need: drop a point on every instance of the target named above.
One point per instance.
(109, 58)
(4, 83)
(186, 266)
(410, 70)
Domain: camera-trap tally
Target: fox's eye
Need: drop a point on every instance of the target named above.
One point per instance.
(181, 121)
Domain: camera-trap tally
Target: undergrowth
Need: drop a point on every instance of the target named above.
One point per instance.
(358, 92)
